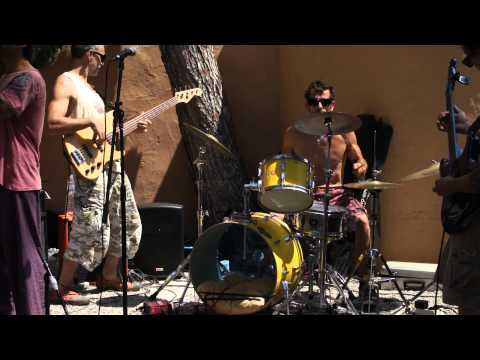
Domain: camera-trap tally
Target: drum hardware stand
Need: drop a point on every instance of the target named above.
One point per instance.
(373, 254)
(252, 186)
(50, 281)
(199, 162)
(287, 297)
(321, 243)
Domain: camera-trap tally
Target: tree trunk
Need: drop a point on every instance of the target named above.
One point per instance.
(191, 66)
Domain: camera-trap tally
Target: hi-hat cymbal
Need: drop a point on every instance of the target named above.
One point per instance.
(209, 139)
(371, 185)
(314, 124)
(433, 170)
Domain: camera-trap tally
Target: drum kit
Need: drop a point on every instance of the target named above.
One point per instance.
(253, 261)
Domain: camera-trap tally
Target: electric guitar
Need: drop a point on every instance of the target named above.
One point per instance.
(87, 158)
(459, 209)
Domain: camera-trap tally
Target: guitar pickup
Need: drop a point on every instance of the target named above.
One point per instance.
(77, 157)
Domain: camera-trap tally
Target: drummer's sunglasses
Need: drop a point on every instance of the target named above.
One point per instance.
(324, 102)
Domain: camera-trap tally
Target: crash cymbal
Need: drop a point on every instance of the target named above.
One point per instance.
(433, 170)
(371, 185)
(209, 139)
(314, 124)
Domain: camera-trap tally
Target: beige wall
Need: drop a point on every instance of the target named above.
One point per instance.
(403, 84)
(251, 81)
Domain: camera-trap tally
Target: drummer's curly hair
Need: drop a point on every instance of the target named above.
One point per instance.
(315, 88)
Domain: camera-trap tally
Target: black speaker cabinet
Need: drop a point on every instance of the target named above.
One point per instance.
(161, 248)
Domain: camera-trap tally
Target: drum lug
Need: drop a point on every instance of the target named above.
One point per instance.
(260, 170)
(285, 272)
(282, 171)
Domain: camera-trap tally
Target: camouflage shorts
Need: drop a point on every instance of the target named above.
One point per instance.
(86, 246)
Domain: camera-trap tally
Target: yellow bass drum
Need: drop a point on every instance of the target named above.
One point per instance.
(241, 265)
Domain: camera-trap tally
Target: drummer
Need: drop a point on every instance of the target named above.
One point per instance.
(320, 98)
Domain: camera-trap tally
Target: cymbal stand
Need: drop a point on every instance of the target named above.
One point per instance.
(199, 162)
(373, 254)
(321, 244)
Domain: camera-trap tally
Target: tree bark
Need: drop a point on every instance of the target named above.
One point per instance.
(191, 66)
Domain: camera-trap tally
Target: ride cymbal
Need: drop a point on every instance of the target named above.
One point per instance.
(314, 124)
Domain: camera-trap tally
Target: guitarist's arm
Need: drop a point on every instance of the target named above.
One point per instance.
(469, 183)
(58, 121)
(462, 121)
(464, 184)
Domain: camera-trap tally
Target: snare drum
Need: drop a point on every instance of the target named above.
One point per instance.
(285, 184)
(312, 221)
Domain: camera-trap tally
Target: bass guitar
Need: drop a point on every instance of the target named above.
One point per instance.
(88, 159)
(459, 209)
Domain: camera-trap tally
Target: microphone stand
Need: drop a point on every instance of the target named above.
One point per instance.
(323, 242)
(50, 281)
(118, 116)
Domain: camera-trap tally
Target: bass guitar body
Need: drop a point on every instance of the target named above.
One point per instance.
(83, 153)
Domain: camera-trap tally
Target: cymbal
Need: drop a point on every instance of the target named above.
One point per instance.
(433, 170)
(314, 124)
(371, 185)
(208, 139)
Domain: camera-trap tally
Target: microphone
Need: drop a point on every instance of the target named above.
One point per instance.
(462, 79)
(455, 75)
(130, 51)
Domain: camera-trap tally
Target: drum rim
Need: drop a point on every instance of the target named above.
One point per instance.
(344, 211)
(331, 236)
(262, 193)
(287, 187)
(286, 156)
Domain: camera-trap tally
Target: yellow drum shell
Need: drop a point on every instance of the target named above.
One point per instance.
(286, 184)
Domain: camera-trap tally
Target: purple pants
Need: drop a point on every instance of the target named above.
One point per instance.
(22, 286)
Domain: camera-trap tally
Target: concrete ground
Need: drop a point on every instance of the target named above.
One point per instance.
(110, 302)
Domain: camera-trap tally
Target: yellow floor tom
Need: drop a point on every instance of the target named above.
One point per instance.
(285, 184)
